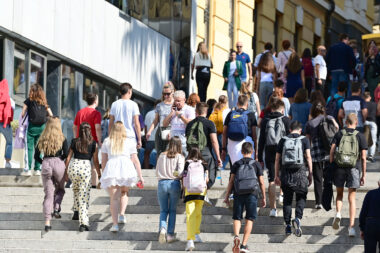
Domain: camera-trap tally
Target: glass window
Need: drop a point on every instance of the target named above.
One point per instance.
(68, 93)
(37, 69)
(110, 95)
(19, 77)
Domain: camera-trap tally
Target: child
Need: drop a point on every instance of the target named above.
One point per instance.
(121, 170)
(194, 198)
(37, 108)
(170, 165)
(245, 197)
(52, 143)
(79, 171)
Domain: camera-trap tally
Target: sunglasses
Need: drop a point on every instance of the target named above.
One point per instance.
(239, 46)
(166, 94)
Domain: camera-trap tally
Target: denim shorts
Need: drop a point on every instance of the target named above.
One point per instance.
(249, 201)
(349, 177)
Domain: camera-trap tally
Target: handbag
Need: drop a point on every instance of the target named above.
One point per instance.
(164, 134)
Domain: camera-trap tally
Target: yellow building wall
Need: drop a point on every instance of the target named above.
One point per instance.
(370, 11)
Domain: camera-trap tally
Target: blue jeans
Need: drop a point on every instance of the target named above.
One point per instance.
(266, 88)
(168, 194)
(7, 132)
(339, 76)
(220, 136)
(233, 92)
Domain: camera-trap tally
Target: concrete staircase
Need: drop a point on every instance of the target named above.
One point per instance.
(21, 222)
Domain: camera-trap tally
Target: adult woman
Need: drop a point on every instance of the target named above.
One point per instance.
(232, 71)
(318, 154)
(372, 71)
(253, 103)
(308, 69)
(300, 109)
(202, 63)
(6, 117)
(266, 77)
(38, 109)
(169, 166)
(317, 96)
(278, 92)
(295, 77)
(193, 100)
(163, 109)
(282, 58)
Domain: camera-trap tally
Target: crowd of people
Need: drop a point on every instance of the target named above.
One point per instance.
(282, 114)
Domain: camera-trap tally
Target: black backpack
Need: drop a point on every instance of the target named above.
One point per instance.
(327, 131)
(246, 181)
(332, 106)
(37, 113)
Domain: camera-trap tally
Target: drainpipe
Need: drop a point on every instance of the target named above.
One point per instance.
(330, 11)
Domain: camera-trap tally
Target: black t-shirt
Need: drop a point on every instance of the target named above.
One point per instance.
(62, 153)
(305, 143)
(83, 156)
(37, 113)
(259, 170)
(208, 128)
(251, 120)
(371, 107)
(360, 137)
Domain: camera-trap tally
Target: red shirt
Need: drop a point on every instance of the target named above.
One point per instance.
(91, 116)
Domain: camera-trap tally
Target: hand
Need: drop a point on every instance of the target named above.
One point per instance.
(220, 163)
(100, 144)
(142, 180)
(139, 145)
(319, 81)
(362, 235)
(236, 73)
(148, 134)
(223, 155)
(310, 178)
(168, 136)
(362, 181)
(177, 113)
(277, 181)
(66, 177)
(263, 202)
(227, 201)
(274, 54)
(226, 79)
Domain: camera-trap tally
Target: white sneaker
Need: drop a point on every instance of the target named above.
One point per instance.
(319, 206)
(352, 232)
(190, 245)
(121, 219)
(162, 236)
(336, 222)
(207, 201)
(273, 213)
(281, 199)
(37, 173)
(26, 173)
(171, 238)
(114, 228)
(198, 239)
(8, 165)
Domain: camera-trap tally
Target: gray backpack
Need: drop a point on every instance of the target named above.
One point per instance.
(292, 153)
(252, 104)
(275, 130)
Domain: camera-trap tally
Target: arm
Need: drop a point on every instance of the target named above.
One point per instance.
(98, 130)
(250, 71)
(303, 78)
(192, 68)
(75, 131)
(229, 189)
(24, 109)
(364, 167)
(365, 114)
(96, 162)
(332, 151)
(104, 160)
(168, 118)
(185, 120)
(340, 117)
(258, 80)
(50, 113)
(224, 143)
(254, 138)
(67, 162)
(136, 162)
(261, 143)
(262, 188)
(258, 109)
(378, 109)
(138, 130)
(277, 169)
(215, 147)
(285, 73)
(309, 165)
(110, 124)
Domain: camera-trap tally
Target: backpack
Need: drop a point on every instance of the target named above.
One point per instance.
(246, 181)
(37, 113)
(348, 150)
(292, 153)
(195, 181)
(238, 125)
(327, 131)
(197, 137)
(332, 107)
(252, 104)
(308, 67)
(274, 130)
(217, 117)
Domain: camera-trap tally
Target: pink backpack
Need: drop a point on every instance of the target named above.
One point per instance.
(195, 181)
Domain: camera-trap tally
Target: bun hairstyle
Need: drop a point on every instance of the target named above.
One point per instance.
(84, 139)
(317, 109)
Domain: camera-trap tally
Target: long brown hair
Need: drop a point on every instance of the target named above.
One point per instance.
(195, 155)
(300, 96)
(266, 63)
(318, 108)
(174, 147)
(244, 90)
(294, 63)
(84, 139)
(51, 139)
(37, 94)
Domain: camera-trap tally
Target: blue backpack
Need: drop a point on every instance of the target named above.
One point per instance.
(238, 125)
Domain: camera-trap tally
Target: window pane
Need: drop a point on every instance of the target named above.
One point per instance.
(68, 92)
(111, 95)
(19, 82)
(37, 69)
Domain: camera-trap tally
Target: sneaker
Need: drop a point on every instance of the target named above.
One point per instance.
(56, 214)
(281, 199)
(318, 206)
(351, 232)
(83, 228)
(114, 228)
(47, 228)
(297, 227)
(171, 238)
(198, 239)
(8, 165)
(26, 173)
(236, 247)
(162, 236)
(190, 245)
(121, 219)
(273, 213)
(244, 249)
(37, 173)
(336, 222)
(370, 159)
(207, 201)
(288, 230)
(75, 216)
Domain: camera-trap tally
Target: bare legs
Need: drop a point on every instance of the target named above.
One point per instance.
(247, 229)
(351, 201)
(272, 195)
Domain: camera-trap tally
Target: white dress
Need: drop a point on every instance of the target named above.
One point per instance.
(119, 170)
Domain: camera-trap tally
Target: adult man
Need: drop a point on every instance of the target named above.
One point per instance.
(291, 151)
(346, 171)
(273, 122)
(371, 122)
(93, 117)
(149, 118)
(354, 104)
(245, 60)
(267, 48)
(239, 127)
(340, 61)
(127, 111)
(369, 220)
(320, 68)
(209, 131)
(180, 115)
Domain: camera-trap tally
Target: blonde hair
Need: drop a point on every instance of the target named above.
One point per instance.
(117, 137)
(244, 90)
(52, 138)
(351, 119)
(167, 85)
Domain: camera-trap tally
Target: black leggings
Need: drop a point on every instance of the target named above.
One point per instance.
(202, 79)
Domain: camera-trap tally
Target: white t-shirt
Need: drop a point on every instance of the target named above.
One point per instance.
(266, 77)
(124, 110)
(232, 68)
(177, 125)
(200, 61)
(149, 118)
(322, 66)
